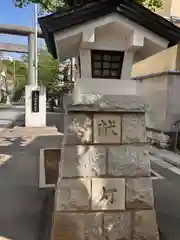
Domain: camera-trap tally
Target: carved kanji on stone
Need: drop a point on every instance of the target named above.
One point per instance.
(108, 194)
(104, 127)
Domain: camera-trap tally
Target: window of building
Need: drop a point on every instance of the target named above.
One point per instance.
(106, 64)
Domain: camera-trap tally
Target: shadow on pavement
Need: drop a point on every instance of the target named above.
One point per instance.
(25, 210)
(167, 205)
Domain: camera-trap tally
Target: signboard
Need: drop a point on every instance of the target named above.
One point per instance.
(35, 101)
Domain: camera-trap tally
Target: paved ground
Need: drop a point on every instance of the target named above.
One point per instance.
(8, 113)
(167, 203)
(12, 115)
(25, 210)
(167, 194)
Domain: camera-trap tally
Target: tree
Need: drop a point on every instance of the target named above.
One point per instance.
(48, 71)
(16, 71)
(52, 5)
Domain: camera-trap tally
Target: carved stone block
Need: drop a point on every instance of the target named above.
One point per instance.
(108, 194)
(93, 226)
(79, 129)
(74, 194)
(84, 161)
(133, 128)
(67, 226)
(117, 225)
(106, 128)
(78, 226)
(139, 193)
(145, 226)
(128, 161)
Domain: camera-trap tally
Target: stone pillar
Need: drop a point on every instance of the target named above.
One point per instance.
(35, 106)
(106, 190)
(31, 77)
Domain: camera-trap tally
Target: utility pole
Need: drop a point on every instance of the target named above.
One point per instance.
(35, 45)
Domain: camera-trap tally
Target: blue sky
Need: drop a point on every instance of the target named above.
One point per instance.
(13, 15)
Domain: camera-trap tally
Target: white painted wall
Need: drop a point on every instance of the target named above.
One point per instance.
(111, 32)
(127, 65)
(96, 86)
(173, 103)
(85, 59)
(154, 93)
(162, 93)
(35, 119)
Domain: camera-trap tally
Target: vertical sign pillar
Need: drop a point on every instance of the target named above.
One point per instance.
(35, 96)
(35, 105)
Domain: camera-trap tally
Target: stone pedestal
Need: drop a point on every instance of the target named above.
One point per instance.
(35, 106)
(106, 190)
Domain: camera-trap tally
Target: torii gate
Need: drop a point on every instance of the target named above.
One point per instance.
(10, 47)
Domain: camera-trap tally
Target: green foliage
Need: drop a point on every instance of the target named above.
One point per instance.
(18, 70)
(52, 5)
(151, 4)
(48, 70)
(45, 5)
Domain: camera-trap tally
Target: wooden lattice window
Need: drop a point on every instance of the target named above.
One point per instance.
(106, 64)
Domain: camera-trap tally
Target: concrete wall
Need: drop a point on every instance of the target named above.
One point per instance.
(173, 103)
(160, 88)
(162, 94)
(166, 60)
(154, 92)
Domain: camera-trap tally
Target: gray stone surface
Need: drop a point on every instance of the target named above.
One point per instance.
(68, 226)
(8, 113)
(93, 226)
(133, 128)
(74, 195)
(77, 226)
(79, 129)
(84, 161)
(106, 128)
(145, 227)
(97, 102)
(128, 161)
(139, 193)
(117, 226)
(108, 194)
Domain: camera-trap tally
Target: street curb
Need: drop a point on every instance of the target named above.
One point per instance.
(168, 160)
